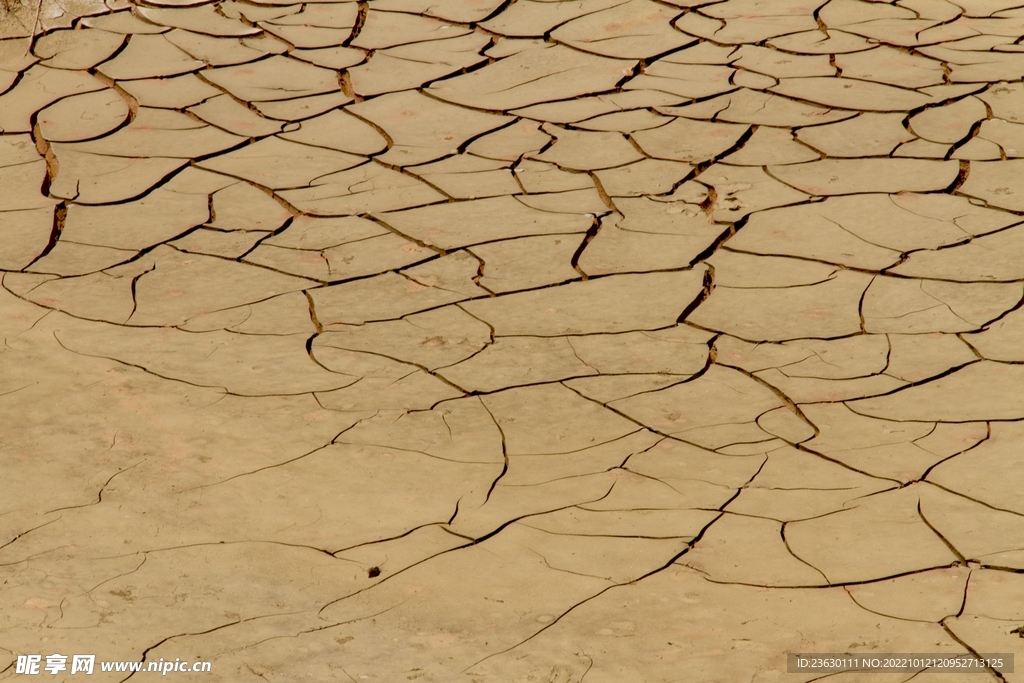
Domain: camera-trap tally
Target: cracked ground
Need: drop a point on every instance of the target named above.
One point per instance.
(490, 341)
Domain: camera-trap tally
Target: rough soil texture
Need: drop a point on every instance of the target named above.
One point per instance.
(491, 341)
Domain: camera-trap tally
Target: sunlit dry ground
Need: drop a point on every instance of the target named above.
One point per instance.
(482, 341)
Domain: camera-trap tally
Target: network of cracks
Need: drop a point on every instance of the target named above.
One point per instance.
(483, 340)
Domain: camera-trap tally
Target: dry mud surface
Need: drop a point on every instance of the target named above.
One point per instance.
(469, 340)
